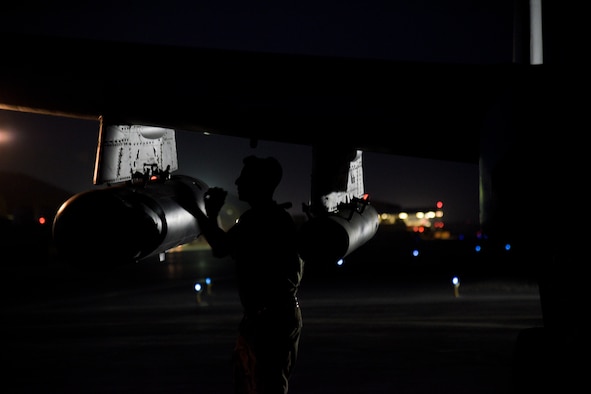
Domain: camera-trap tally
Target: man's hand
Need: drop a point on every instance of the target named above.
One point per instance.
(214, 199)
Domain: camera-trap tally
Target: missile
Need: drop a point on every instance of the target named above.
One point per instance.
(330, 237)
(126, 222)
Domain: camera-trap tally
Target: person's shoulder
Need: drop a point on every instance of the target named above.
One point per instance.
(285, 216)
(276, 212)
(273, 210)
(283, 208)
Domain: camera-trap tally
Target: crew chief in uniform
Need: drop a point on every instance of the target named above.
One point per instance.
(269, 271)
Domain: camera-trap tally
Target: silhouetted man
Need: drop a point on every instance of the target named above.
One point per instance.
(269, 271)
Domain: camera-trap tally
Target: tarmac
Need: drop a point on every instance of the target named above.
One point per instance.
(144, 328)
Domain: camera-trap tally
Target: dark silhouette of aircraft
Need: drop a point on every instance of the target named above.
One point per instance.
(522, 122)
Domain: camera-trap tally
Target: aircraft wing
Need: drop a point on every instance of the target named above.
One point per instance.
(421, 110)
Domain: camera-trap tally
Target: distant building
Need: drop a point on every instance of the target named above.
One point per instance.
(428, 222)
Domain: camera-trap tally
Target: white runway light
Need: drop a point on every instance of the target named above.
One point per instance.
(456, 283)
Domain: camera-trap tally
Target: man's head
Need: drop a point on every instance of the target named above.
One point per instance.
(259, 178)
